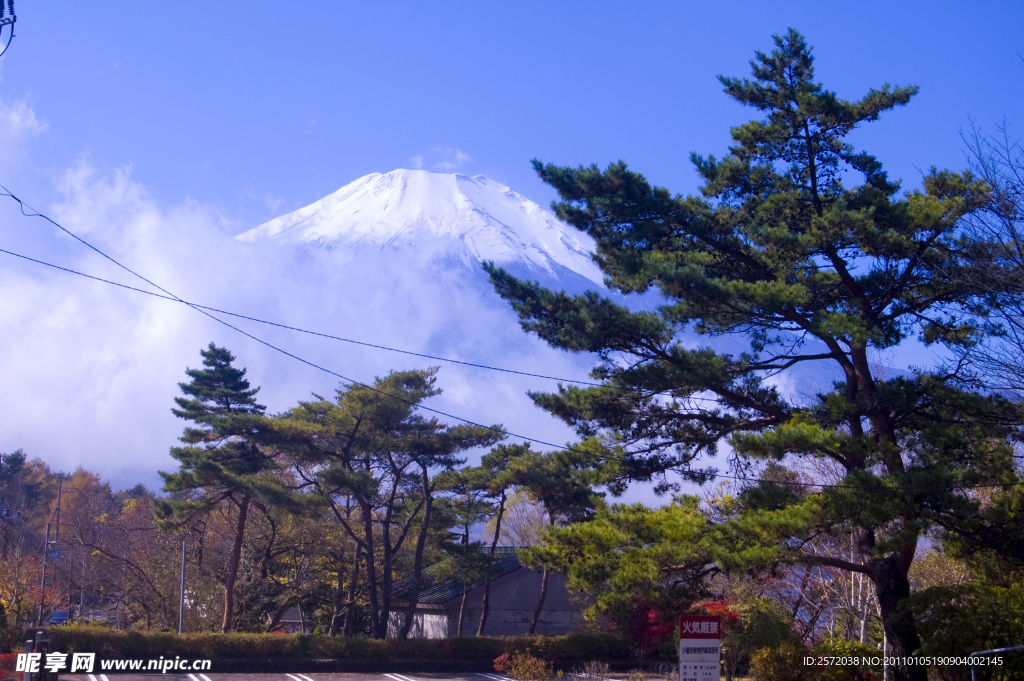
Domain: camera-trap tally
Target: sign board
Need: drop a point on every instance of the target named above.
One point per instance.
(700, 648)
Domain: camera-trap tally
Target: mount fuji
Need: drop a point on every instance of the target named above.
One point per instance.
(385, 273)
(442, 219)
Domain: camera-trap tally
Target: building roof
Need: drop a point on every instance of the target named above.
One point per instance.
(434, 591)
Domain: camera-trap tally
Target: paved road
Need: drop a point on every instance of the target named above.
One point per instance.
(277, 676)
(327, 676)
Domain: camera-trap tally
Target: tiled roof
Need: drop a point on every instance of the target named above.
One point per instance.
(436, 592)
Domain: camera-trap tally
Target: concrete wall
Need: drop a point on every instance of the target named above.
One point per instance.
(425, 624)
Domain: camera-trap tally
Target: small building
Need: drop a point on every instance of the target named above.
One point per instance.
(514, 593)
(292, 621)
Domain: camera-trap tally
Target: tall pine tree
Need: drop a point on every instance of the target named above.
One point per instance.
(222, 460)
(373, 459)
(801, 259)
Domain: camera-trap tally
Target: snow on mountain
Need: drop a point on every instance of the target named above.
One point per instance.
(362, 264)
(439, 216)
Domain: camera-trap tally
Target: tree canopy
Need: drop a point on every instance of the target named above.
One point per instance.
(223, 460)
(799, 262)
(370, 456)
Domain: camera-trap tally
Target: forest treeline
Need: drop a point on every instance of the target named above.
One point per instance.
(843, 500)
(322, 508)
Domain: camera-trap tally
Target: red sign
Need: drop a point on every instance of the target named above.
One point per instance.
(700, 626)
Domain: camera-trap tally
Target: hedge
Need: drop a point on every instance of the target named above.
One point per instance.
(238, 652)
(11, 638)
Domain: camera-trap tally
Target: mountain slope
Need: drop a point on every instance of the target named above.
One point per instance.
(438, 217)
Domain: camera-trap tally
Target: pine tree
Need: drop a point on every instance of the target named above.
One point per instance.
(373, 459)
(563, 483)
(222, 460)
(792, 269)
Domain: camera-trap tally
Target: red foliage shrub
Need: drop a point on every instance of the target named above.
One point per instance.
(650, 626)
(724, 608)
(7, 661)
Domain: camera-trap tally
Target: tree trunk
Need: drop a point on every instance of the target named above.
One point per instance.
(350, 602)
(462, 610)
(543, 585)
(417, 568)
(236, 556)
(336, 603)
(485, 603)
(376, 619)
(893, 588)
(540, 603)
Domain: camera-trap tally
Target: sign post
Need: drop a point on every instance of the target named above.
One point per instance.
(700, 648)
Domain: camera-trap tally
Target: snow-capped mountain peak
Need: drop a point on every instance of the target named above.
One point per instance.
(442, 216)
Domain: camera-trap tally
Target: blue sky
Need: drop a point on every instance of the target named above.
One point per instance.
(259, 108)
(151, 127)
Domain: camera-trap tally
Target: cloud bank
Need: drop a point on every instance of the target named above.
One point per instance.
(90, 371)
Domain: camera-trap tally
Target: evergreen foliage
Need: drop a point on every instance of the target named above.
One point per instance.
(372, 459)
(799, 259)
(223, 460)
(628, 556)
(221, 455)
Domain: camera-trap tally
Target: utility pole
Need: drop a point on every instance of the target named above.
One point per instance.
(56, 541)
(42, 584)
(60, 493)
(47, 548)
(5, 21)
(181, 599)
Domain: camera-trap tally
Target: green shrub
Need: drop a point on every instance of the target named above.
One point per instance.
(360, 651)
(837, 647)
(782, 663)
(958, 620)
(572, 647)
(523, 667)
(11, 638)
(761, 623)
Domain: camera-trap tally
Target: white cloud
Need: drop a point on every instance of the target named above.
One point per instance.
(19, 126)
(93, 368)
(453, 159)
(19, 119)
(269, 202)
(90, 371)
(441, 158)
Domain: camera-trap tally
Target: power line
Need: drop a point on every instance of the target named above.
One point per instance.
(34, 213)
(174, 298)
(825, 485)
(204, 310)
(301, 330)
